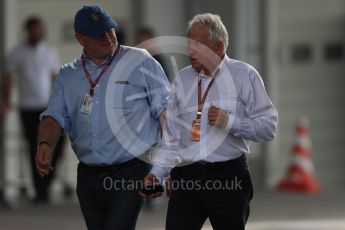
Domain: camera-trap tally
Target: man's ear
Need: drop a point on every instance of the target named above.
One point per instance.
(220, 48)
(80, 38)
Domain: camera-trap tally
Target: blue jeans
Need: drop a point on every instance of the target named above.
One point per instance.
(109, 199)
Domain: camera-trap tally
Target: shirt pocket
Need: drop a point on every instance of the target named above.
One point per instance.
(127, 95)
(137, 96)
(228, 101)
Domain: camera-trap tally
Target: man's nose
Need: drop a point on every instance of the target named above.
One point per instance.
(191, 50)
(105, 36)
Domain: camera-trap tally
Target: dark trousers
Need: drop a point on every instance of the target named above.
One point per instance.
(30, 124)
(220, 192)
(108, 196)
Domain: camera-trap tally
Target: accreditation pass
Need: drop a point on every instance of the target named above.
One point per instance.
(86, 106)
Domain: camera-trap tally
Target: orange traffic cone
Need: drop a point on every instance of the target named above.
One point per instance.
(300, 173)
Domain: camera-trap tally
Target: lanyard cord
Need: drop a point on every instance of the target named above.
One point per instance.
(105, 68)
(201, 100)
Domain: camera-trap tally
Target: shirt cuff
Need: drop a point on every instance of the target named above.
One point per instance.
(160, 172)
(60, 121)
(157, 108)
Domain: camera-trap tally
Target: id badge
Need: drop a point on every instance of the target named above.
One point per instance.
(195, 133)
(86, 106)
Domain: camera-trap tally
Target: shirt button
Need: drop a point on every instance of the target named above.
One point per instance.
(94, 135)
(95, 118)
(97, 85)
(96, 102)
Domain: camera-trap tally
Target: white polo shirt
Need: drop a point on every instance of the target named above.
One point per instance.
(33, 67)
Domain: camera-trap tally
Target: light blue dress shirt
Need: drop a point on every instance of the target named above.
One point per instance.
(137, 96)
(238, 89)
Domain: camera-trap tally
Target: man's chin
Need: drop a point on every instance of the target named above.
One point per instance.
(196, 65)
(109, 50)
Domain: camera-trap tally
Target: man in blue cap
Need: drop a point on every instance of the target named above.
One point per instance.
(80, 104)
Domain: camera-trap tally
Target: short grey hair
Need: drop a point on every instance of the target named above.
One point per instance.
(214, 25)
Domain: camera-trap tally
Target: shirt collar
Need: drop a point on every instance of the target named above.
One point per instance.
(88, 61)
(216, 70)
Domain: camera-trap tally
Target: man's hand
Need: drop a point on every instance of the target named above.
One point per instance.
(217, 117)
(151, 179)
(168, 186)
(43, 159)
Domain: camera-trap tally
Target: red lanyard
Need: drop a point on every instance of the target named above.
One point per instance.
(105, 68)
(201, 101)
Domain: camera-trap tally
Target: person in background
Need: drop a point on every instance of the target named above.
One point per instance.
(34, 64)
(145, 39)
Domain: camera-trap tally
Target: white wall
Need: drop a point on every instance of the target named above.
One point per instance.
(314, 89)
(165, 16)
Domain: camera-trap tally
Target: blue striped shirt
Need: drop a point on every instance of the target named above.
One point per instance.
(127, 101)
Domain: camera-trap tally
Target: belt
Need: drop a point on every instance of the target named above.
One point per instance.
(106, 168)
(233, 162)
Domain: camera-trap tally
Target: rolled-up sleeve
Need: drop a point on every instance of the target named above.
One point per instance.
(157, 86)
(260, 119)
(168, 153)
(57, 107)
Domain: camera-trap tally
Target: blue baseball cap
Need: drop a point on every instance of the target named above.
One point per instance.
(93, 21)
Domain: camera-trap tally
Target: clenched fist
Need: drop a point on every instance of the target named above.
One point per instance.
(43, 160)
(218, 117)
